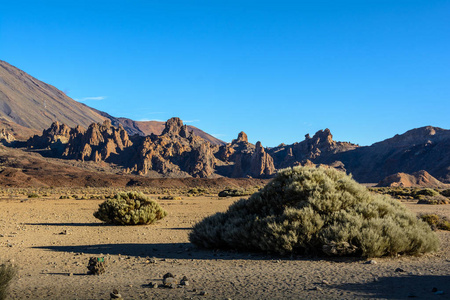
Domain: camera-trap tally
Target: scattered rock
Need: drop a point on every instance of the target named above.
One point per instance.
(399, 270)
(184, 281)
(115, 295)
(153, 285)
(371, 262)
(203, 293)
(169, 280)
(316, 288)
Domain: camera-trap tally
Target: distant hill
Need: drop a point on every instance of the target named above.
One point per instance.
(34, 104)
(417, 179)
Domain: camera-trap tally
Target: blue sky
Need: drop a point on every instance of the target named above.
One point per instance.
(274, 69)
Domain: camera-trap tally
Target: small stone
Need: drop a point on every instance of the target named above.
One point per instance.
(325, 282)
(153, 285)
(316, 288)
(169, 282)
(70, 274)
(203, 293)
(399, 270)
(115, 295)
(167, 275)
(371, 262)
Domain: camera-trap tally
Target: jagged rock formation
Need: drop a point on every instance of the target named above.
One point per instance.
(243, 159)
(418, 179)
(6, 136)
(315, 150)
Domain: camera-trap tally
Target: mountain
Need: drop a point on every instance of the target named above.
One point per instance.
(153, 127)
(26, 102)
(31, 103)
(426, 148)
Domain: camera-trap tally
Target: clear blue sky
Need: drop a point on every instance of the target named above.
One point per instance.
(274, 69)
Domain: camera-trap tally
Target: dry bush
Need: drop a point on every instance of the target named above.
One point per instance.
(314, 211)
(436, 221)
(130, 208)
(236, 192)
(436, 199)
(7, 273)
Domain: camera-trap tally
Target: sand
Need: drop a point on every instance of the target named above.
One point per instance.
(53, 265)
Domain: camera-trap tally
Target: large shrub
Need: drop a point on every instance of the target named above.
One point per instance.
(7, 273)
(312, 211)
(130, 209)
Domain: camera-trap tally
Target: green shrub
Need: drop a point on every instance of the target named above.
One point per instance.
(446, 193)
(436, 222)
(235, 192)
(436, 199)
(7, 273)
(315, 211)
(130, 208)
(426, 192)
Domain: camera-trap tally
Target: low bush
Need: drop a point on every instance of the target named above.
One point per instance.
(445, 193)
(436, 221)
(235, 192)
(130, 208)
(436, 199)
(7, 273)
(33, 195)
(316, 211)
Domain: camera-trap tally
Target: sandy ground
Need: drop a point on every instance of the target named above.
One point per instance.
(54, 266)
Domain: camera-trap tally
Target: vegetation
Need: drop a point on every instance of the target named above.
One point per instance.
(436, 199)
(236, 192)
(130, 208)
(7, 273)
(436, 221)
(33, 195)
(316, 211)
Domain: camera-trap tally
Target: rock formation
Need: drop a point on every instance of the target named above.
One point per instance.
(244, 159)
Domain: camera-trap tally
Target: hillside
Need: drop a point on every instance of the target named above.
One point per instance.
(34, 104)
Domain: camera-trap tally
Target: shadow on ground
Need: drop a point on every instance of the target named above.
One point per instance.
(72, 224)
(181, 251)
(401, 287)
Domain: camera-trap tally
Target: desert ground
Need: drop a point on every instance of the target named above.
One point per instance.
(52, 239)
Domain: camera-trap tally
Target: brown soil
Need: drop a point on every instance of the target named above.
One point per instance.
(54, 266)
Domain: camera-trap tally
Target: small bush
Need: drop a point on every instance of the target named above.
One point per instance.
(33, 195)
(445, 193)
(7, 273)
(316, 211)
(436, 221)
(425, 192)
(436, 199)
(130, 209)
(235, 192)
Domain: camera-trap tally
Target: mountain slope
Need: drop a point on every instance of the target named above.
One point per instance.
(32, 103)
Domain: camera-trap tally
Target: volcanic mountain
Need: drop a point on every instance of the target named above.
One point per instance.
(28, 106)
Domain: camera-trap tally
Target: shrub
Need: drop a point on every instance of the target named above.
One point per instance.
(130, 208)
(436, 199)
(436, 222)
(315, 211)
(446, 193)
(33, 195)
(425, 192)
(7, 273)
(235, 192)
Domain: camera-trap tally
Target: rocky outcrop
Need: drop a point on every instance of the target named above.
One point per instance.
(6, 136)
(243, 159)
(317, 149)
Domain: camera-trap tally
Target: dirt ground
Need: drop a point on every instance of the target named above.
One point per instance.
(51, 241)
